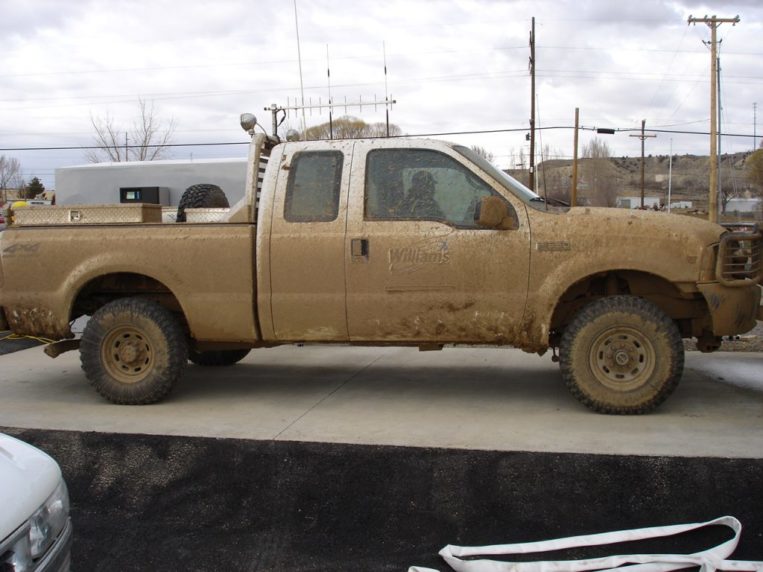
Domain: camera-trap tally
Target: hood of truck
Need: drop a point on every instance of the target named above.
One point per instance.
(625, 222)
(27, 478)
(586, 240)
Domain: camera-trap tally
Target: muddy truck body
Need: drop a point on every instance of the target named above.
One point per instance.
(378, 242)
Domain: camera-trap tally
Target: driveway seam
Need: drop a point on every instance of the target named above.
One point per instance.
(325, 397)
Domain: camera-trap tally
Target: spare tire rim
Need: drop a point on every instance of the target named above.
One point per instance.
(127, 354)
(622, 358)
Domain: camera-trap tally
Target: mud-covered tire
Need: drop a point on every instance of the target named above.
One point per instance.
(621, 355)
(218, 357)
(133, 351)
(202, 196)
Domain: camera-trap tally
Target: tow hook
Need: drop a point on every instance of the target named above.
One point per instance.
(707, 343)
(57, 348)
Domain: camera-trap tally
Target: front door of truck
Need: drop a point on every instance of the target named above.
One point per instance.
(306, 245)
(419, 268)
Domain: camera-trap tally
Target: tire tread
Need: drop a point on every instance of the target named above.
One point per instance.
(636, 306)
(203, 195)
(90, 353)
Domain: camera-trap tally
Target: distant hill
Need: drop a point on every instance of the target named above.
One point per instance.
(690, 176)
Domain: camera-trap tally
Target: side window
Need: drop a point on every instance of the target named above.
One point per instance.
(312, 191)
(420, 184)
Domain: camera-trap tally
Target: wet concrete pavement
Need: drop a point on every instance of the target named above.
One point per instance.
(469, 398)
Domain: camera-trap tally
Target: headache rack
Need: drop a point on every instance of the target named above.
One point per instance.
(739, 258)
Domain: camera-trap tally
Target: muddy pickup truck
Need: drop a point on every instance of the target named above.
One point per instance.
(378, 242)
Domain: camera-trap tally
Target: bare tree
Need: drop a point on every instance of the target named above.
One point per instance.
(484, 153)
(522, 158)
(10, 175)
(379, 129)
(146, 140)
(754, 169)
(348, 127)
(599, 173)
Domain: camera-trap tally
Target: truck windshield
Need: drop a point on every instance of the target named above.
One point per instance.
(508, 181)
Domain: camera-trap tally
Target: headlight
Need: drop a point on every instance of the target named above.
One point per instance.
(38, 534)
(49, 520)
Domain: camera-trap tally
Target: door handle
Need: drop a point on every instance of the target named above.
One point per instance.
(359, 247)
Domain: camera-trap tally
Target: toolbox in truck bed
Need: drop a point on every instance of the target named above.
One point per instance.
(88, 214)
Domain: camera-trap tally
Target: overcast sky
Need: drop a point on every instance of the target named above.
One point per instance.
(453, 66)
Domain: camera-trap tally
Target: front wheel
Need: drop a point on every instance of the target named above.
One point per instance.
(621, 355)
(133, 351)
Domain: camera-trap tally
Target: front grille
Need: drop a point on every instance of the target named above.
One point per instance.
(739, 258)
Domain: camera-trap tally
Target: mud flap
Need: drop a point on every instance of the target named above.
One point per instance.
(733, 310)
(57, 348)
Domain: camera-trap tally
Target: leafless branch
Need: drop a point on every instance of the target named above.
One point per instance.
(147, 140)
(10, 172)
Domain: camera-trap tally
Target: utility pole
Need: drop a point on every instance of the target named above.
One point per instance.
(754, 124)
(719, 199)
(670, 173)
(532, 107)
(328, 76)
(574, 191)
(642, 137)
(713, 22)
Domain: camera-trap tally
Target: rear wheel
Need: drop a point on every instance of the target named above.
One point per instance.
(621, 355)
(218, 357)
(201, 196)
(133, 351)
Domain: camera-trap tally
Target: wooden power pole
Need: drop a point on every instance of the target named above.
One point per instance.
(532, 107)
(574, 191)
(713, 22)
(642, 137)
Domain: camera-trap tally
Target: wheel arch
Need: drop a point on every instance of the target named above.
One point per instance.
(680, 302)
(101, 289)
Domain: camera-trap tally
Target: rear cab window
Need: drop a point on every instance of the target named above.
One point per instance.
(312, 191)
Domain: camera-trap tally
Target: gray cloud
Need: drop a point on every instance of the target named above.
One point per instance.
(453, 65)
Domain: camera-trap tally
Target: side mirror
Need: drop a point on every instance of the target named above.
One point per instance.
(494, 213)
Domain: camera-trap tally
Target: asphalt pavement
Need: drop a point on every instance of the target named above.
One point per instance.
(150, 502)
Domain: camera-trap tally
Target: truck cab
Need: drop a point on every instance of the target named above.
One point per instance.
(381, 241)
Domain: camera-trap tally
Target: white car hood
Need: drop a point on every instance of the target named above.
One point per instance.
(27, 478)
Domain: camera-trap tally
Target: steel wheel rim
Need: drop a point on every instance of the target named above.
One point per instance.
(622, 359)
(127, 354)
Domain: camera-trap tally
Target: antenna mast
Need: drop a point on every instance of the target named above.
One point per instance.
(532, 107)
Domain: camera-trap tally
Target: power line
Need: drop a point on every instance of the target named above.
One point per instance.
(409, 135)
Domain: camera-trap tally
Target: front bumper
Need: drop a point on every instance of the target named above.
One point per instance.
(733, 310)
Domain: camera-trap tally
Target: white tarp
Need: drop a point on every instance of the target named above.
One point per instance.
(460, 557)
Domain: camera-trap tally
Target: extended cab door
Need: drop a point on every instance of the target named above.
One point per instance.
(419, 269)
(306, 244)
